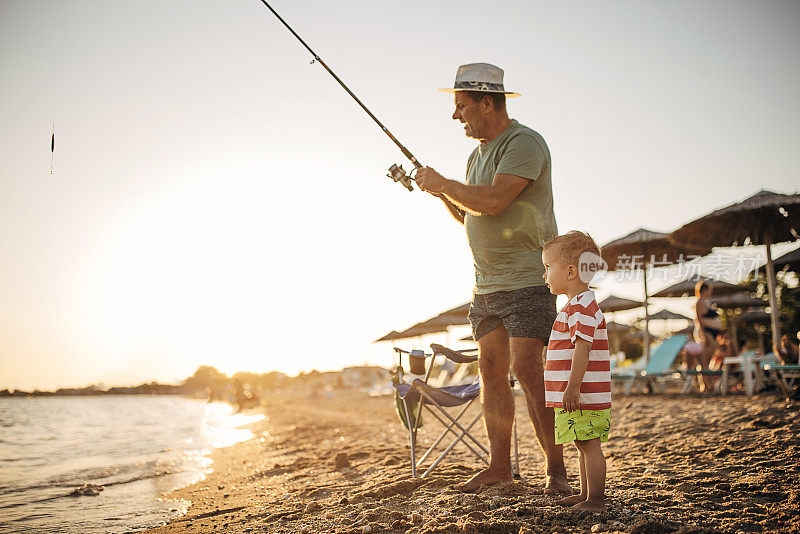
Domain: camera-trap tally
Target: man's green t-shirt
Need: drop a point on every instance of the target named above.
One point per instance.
(507, 248)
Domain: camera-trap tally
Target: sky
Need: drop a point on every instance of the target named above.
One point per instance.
(217, 199)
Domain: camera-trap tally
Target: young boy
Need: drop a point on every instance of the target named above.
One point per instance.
(578, 370)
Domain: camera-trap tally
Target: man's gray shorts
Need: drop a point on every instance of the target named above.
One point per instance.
(528, 312)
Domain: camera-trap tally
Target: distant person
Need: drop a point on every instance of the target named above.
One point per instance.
(745, 345)
(506, 205)
(707, 326)
(243, 396)
(788, 351)
(578, 372)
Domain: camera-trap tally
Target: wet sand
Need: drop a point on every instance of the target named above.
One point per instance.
(675, 464)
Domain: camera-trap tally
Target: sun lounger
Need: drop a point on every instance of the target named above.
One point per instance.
(658, 367)
(787, 377)
(690, 374)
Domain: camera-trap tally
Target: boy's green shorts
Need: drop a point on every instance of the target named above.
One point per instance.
(582, 425)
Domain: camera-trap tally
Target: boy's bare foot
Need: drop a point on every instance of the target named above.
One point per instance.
(591, 506)
(569, 501)
(557, 485)
(484, 478)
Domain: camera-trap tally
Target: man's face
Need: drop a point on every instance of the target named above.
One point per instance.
(468, 113)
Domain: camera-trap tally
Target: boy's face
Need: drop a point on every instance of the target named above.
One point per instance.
(556, 274)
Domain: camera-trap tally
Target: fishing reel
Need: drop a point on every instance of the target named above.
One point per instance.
(398, 174)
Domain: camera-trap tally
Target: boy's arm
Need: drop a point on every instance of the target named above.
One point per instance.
(580, 361)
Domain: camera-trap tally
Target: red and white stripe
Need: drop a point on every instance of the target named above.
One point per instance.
(581, 317)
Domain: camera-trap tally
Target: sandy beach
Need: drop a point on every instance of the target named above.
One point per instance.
(340, 464)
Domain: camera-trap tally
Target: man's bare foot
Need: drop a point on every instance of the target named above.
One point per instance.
(569, 501)
(484, 478)
(557, 485)
(591, 506)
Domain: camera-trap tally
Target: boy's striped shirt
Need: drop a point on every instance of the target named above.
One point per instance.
(581, 317)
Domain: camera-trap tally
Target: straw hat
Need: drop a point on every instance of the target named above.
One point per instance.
(479, 77)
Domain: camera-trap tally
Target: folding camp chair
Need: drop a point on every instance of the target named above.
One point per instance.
(657, 368)
(412, 398)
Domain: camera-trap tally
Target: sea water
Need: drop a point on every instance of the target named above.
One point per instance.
(135, 446)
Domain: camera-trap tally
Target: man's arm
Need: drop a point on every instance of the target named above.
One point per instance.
(455, 211)
(491, 199)
(580, 361)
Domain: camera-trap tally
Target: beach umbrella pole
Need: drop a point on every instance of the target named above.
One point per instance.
(646, 320)
(773, 298)
(734, 333)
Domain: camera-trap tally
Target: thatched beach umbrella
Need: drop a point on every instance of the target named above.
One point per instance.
(756, 317)
(415, 331)
(388, 337)
(735, 301)
(461, 310)
(688, 331)
(616, 332)
(452, 317)
(726, 296)
(789, 261)
(762, 219)
(434, 325)
(685, 288)
(420, 329)
(618, 328)
(644, 249)
(613, 303)
(666, 315)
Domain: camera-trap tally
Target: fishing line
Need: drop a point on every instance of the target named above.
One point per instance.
(53, 187)
(396, 172)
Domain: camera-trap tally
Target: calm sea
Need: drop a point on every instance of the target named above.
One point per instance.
(137, 447)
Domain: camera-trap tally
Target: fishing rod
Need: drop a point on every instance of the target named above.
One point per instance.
(396, 172)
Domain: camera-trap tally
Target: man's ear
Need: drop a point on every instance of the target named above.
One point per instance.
(487, 104)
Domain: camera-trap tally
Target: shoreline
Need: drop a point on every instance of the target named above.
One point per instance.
(675, 463)
(99, 464)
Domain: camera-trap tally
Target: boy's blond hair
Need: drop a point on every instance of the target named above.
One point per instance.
(569, 247)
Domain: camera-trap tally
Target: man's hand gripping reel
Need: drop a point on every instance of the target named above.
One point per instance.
(398, 174)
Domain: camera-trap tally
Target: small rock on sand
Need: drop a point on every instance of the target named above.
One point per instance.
(313, 506)
(87, 489)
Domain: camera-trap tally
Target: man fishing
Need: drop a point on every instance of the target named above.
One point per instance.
(506, 205)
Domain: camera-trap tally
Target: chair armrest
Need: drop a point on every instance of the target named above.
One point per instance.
(452, 355)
